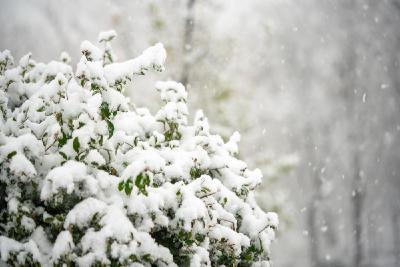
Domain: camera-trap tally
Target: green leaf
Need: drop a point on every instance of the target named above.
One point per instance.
(76, 145)
(205, 190)
(49, 78)
(196, 172)
(59, 118)
(200, 238)
(133, 258)
(104, 111)
(146, 180)
(128, 187)
(186, 237)
(63, 155)
(138, 179)
(147, 258)
(83, 156)
(95, 88)
(49, 220)
(141, 181)
(121, 185)
(224, 201)
(41, 109)
(101, 140)
(62, 140)
(11, 154)
(110, 128)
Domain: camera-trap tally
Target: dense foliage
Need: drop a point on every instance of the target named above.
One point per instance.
(88, 179)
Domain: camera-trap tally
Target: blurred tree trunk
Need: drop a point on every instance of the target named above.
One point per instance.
(394, 74)
(187, 41)
(312, 224)
(350, 73)
(356, 126)
(357, 205)
(396, 237)
(314, 201)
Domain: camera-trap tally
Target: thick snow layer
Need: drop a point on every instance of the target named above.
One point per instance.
(20, 165)
(152, 58)
(63, 245)
(107, 35)
(91, 50)
(64, 177)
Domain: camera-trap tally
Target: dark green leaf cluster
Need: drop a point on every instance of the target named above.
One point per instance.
(142, 180)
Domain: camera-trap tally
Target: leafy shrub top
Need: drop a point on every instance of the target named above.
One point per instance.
(88, 179)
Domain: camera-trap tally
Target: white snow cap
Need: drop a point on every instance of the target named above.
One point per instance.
(107, 36)
(152, 58)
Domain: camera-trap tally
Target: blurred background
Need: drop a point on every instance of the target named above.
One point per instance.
(313, 86)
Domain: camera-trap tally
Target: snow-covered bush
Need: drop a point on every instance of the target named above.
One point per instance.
(88, 179)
